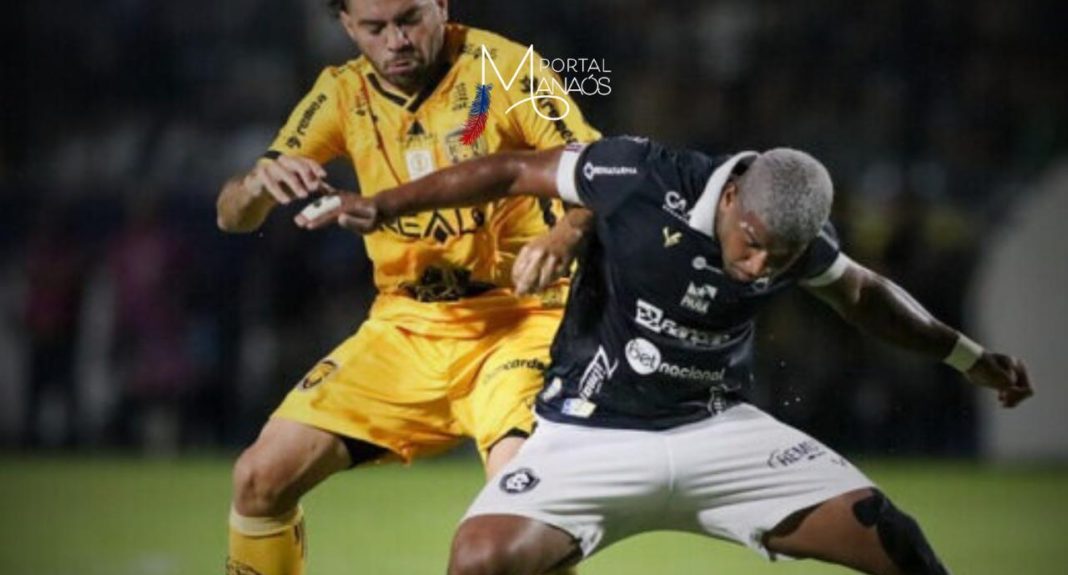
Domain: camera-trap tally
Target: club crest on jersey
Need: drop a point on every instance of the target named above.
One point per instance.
(698, 297)
(671, 238)
(420, 163)
(317, 374)
(460, 152)
(519, 481)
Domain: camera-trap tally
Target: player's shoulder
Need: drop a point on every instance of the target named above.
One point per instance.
(340, 79)
(346, 70)
(657, 154)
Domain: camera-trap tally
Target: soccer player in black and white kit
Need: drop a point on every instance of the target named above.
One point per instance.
(642, 422)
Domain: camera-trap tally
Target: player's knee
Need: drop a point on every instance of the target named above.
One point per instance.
(260, 490)
(475, 553)
(900, 535)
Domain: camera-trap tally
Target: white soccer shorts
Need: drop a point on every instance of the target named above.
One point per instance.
(734, 476)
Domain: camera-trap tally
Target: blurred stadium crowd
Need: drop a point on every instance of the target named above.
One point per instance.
(129, 321)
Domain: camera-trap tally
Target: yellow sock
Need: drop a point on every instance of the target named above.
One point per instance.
(267, 545)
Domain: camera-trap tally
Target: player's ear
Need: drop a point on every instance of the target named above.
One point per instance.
(443, 5)
(348, 24)
(730, 193)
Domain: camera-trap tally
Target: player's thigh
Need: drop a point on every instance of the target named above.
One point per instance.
(510, 544)
(744, 472)
(384, 387)
(831, 532)
(598, 486)
(504, 376)
(285, 461)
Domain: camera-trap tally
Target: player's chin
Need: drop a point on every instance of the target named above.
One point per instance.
(406, 80)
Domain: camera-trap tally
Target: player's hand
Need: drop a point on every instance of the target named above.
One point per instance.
(1005, 374)
(285, 178)
(347, 209)
(546, 259)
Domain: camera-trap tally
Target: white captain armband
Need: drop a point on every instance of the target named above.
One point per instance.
(565, 174)
(964, 354)
(831, 274)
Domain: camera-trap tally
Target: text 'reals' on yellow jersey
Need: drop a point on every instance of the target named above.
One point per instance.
(445, 256)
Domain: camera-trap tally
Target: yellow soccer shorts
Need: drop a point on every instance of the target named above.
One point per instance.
(418, 395)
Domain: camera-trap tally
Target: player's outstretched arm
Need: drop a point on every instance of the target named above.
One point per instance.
(473, 182)
(245, 200)
(878, 306)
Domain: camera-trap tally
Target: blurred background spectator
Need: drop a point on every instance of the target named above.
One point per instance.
(129, 320)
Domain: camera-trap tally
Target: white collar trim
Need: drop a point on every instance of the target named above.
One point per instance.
(703, 214)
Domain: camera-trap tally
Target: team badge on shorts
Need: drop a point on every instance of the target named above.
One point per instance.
(519, 481)
(321, 371)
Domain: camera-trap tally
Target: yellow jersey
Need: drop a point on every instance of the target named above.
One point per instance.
(445, 272)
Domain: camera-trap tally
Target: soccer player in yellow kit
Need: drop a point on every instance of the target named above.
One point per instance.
(448, 350)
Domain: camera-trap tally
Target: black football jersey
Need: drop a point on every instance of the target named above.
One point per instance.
(655, 331)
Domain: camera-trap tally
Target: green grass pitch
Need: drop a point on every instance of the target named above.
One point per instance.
(132, 517)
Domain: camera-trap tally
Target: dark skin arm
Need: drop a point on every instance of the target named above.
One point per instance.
(482, 180)
(473, 182)
(879, 307)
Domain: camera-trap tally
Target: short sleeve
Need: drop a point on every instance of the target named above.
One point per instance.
(314, 128)
(823, 262)
(599, 175)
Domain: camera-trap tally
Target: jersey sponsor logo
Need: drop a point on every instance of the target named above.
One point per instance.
(532, 363)
(671, 238)
(676, 205)
(645, 358)
(317, 374)
(591, 171)
(519, 481)
(807, 450)
(698, 297)
(442, 224)
(652, 318)
(306, 118)
(700, 263)
(599, 370)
